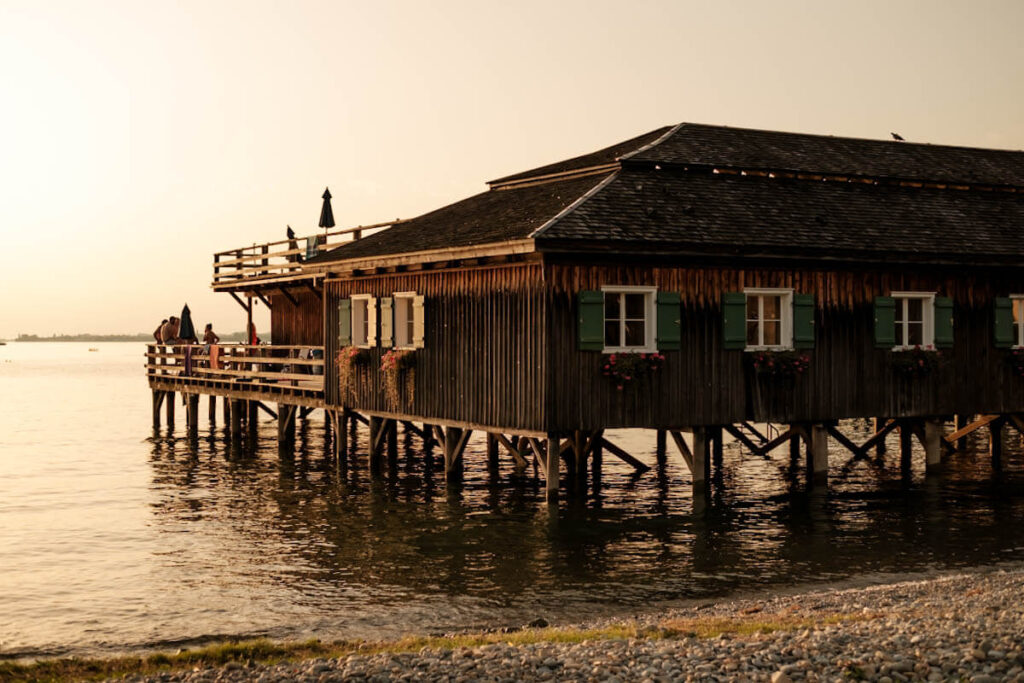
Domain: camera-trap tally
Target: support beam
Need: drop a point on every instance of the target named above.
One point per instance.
(683, 449)
(392, 437)
(213, 409)
(292, 299)
(659, 448)
(906, 446)
(961, 422)
(455, 439)
(623, 455)
(961, 433)
(995, 443)
(492, 453)
(340, 435)
(158, 399)
(737, 434)
(843, 441)
(236, 422)
(268, 410)
(932, 443)
(880, 424)
(817, 453)
(285, 428)
(701, 457)
(266, 301)
(169, 401)
(551, 473)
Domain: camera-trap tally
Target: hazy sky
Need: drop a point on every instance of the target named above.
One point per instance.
(138, 137)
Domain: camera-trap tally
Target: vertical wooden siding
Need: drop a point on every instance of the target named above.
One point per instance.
(484, 345)
(704, 384)
(296, 325)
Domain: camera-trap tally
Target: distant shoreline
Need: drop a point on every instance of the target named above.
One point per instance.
(231, 337)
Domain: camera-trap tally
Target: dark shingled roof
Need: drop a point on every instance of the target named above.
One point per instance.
(698, 144)
(664, 195)
(601, 157)
(493, 216)
(665, 209)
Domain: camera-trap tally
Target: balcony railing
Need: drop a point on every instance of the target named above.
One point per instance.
(279, 261)
(264, 368)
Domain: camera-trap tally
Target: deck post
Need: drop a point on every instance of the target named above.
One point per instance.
(285, 428)
(906, 446)
(252, 421)
(701, 456)
(169, 400)
(376, 426)
(659, 447)
(879, 424)
(817, 453)
(492, 453)
(236, 422)
(158, 398)
(551, 469)
(961, 422)
(213, 409)
(794, 451)
(995, 442)
(933, 443)
(392, 437)
(715, 434)
(453, 465)
(227, 410)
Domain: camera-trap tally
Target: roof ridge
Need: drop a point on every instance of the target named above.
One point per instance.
(579, 201)
(650, 145)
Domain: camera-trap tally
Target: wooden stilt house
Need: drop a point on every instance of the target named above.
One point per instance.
(695, 279)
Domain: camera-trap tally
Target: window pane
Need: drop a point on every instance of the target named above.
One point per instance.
(772, 308)
(915, 310)
(635, 333)
(772, 332)
(410, 331)
(1017, 303)
(899, 311)
(635, 306)
(899, 332)
(752, 303)
(915, 334)
(611, 307)
(752, 328)
(611, 333)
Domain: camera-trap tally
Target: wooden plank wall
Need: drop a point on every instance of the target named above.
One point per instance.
(484, 345)
(296, 325)
(704, 384)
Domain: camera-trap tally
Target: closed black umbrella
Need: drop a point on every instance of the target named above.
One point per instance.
(186, 330)
(326, 214)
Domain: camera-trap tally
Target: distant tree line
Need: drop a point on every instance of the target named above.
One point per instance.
(231, 337)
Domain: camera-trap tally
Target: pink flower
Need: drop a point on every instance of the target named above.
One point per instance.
(619, 387)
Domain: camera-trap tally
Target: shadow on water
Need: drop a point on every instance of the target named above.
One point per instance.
(380, 555)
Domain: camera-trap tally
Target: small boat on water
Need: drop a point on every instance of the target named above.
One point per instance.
(93, 348)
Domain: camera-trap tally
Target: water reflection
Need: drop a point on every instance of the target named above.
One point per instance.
(405, 552)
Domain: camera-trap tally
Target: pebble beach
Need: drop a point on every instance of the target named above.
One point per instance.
(962, 627)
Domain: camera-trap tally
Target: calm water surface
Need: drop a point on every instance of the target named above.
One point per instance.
(113, 537)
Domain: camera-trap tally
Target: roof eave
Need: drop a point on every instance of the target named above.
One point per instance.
(488, 250)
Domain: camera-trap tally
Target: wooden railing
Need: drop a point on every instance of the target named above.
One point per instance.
(239, 366)
(281, 260)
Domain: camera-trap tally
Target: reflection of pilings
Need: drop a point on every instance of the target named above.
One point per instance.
(213, 409)
(236, 423)
(252, 423)
(878, 426)
(906, 447)
(995, 443)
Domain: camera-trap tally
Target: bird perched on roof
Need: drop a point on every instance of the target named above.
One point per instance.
(291, 233)
(897, 137)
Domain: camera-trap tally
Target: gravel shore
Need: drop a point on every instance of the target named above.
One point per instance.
(967, 627)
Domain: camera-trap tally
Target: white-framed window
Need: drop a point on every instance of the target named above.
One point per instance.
(408, 312)
(629, 319)
(915, 319)
(364, 320)
(769, 319)
(1017, 304)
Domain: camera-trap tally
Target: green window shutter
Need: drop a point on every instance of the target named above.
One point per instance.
(344, 322)
(803, 321)
(386, 322)
(943, 322)
(591, 321)
(669, 321)
(885, 322)
(1003, 318)
(734, 320)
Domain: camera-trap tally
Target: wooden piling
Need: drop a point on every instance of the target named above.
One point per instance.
(879, 425)
(995, 443)
(817, 453)
(660, 446)
(376, 426)
(192, 409)
(252, 421)
(227, 410)
(392, 437)
(551, 469)
(158, 399)
(932, 443)
(169, 400)
(453, 464)
(715, 434)
(492, 453)
(236, 422)
(701, 458)
(906, 447)
(285, 428)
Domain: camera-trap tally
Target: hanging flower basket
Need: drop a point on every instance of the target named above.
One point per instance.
(627, 370)
(919, 361)
(399, 369)
(779, 365)
(347, 360)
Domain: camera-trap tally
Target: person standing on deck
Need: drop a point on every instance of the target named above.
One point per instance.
(158, 330)
(169, 331)
(209, 336)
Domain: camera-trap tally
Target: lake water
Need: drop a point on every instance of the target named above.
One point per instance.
(115, 538)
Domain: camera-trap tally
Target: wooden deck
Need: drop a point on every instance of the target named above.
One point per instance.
(271, 264)
(292, 374)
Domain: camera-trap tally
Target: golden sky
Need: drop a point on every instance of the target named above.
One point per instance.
(139, 137)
